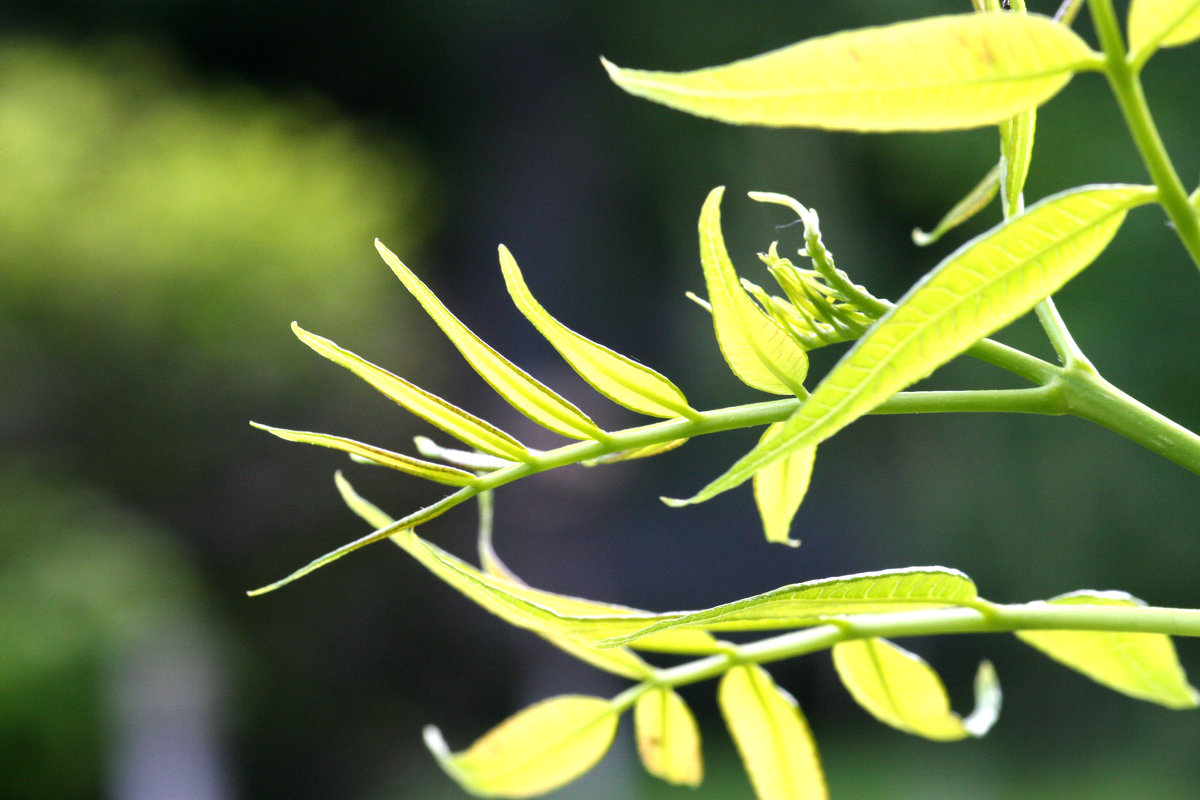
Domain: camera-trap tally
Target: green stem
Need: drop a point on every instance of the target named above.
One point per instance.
(995, 619)
(1056, 331)
(1123, 77)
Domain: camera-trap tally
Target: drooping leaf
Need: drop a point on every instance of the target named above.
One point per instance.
(939, 73)
(429, 407)
(1162, 23)
(900, 689)
(668, 738)
(811, 603)
(534, 751)
(523, 392)
(981, 287)
(758, 351)
(620, 379)
(1141, 665)
(975, 201)
(440, 473)
(780, 488)
(771, 735)
(560, 619)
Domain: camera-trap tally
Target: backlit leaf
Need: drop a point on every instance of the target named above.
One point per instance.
(1016, 151)
(981, 287)
(465, 427)
(1141, 665)
(975, 201)
(1165, 23)
(771, 735)
(811, 603)
(534, 751)
(439, 473)
(780, 488)
(668, 738)
(523, 392)
(620, 379)
(758, 351)
(938, 73)
(900, 689)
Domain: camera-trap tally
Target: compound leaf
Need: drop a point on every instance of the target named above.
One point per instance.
(439, 473)
(981, 287)
(668, 738)
(811, 603)
(771, 735)
(900, 689)
(465, 427)
(779, 490)
(939, 73)
(620, 379)
(1162, 23)
(546, 746)
(1141, 665)
(758, 351)
(522, 391)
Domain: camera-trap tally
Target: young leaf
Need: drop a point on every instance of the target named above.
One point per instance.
(523, 392)
(758, 351)
(938, 73)
(465, 427)
(771, 735)
(1141, 665)
(1162, 23)
(780, 488)
(975, 201)
(534, 751)
(981, 287)
(1016, 151)
(900, 689)
(620, 379)
(667, 737)
(438, 473)
(803, 604)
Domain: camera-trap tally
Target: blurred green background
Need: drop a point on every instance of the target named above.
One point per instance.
(179, 180)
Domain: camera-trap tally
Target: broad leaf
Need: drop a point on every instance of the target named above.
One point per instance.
(780, 488)
(771, 735)
(558, 618)
(1141, 665)
(465, 427)
(535, 751)
(975, 201)
(523, 392)
(758, 351)
(938, 73)
(1162, 23)
(981, 287)
(804, 604)
(620, 379)
(900, 689)
(668, 738)
(439, 473)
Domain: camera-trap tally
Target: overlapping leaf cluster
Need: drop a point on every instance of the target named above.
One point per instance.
(941, 73)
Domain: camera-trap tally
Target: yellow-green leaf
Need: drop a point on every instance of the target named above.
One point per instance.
(534, 751)
(900, 689)
(758, 351)
(637, 452)
(523, 392)
(668, 738)
(780, 488)
(453, 420)
(771, 735)
(560, 619)
(439, 473)
(813, 602)
(1141, 665)
(1162, 23)
(975, 201)
(939, 73)
(620, 379)
(981, 287)
(1016, 152)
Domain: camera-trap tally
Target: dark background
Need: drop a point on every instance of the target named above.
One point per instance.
(179, 180)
